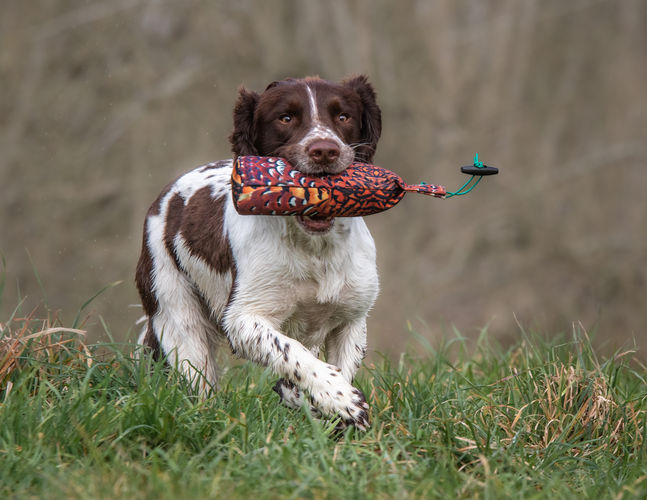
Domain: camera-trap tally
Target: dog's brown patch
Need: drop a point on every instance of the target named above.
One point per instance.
(202, 229)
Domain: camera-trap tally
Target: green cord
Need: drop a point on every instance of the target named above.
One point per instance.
(477, 163)
(464, 188)
(461, 191)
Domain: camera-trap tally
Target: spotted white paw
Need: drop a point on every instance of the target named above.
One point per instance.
(333, 395)
(291, 396)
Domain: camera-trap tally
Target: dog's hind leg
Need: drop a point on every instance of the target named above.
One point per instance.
(193, 357)
(183, 329)
(184, 338)
(180, 324)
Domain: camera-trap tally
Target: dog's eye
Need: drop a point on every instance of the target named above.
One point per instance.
(343, 117)
(285, 118)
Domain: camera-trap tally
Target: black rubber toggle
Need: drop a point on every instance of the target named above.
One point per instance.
(484, 170)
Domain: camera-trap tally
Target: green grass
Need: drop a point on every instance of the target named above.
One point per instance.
(537, 420)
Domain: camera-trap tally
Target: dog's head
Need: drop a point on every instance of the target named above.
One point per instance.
(319, 126)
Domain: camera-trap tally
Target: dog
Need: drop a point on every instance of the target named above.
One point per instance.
(278, 289)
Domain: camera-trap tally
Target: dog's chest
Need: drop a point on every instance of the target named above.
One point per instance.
(317, 308)
(308, 287)
(322, 297)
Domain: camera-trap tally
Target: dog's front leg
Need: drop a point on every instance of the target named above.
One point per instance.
(346, 348)
(290, 394)
(256, 339)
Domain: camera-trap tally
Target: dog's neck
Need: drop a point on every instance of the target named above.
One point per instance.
(318, 244)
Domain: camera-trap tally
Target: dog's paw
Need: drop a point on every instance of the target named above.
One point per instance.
(357, 411)
(336, 396)
(291, 396)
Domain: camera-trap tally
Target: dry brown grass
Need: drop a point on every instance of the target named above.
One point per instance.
(28, 340)
(573, 407)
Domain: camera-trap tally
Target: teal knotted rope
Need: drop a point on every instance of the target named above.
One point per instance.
(466, 188)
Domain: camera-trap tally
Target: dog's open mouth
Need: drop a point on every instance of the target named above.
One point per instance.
(316, 226)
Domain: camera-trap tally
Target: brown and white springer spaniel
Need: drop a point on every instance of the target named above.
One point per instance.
(277, 288)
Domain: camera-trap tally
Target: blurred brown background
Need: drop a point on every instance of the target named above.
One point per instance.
(103, 102)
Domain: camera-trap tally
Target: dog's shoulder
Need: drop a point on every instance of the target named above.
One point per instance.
(188, 217)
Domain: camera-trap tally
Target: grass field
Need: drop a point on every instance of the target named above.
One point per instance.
(537, 420)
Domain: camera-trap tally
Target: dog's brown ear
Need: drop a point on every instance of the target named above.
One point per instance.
(243, 136)
(371, 117)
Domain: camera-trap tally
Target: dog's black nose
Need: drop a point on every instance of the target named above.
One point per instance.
(323, 151)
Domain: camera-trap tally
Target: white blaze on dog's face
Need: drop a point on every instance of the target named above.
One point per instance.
(312, 124)
(320, 127)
